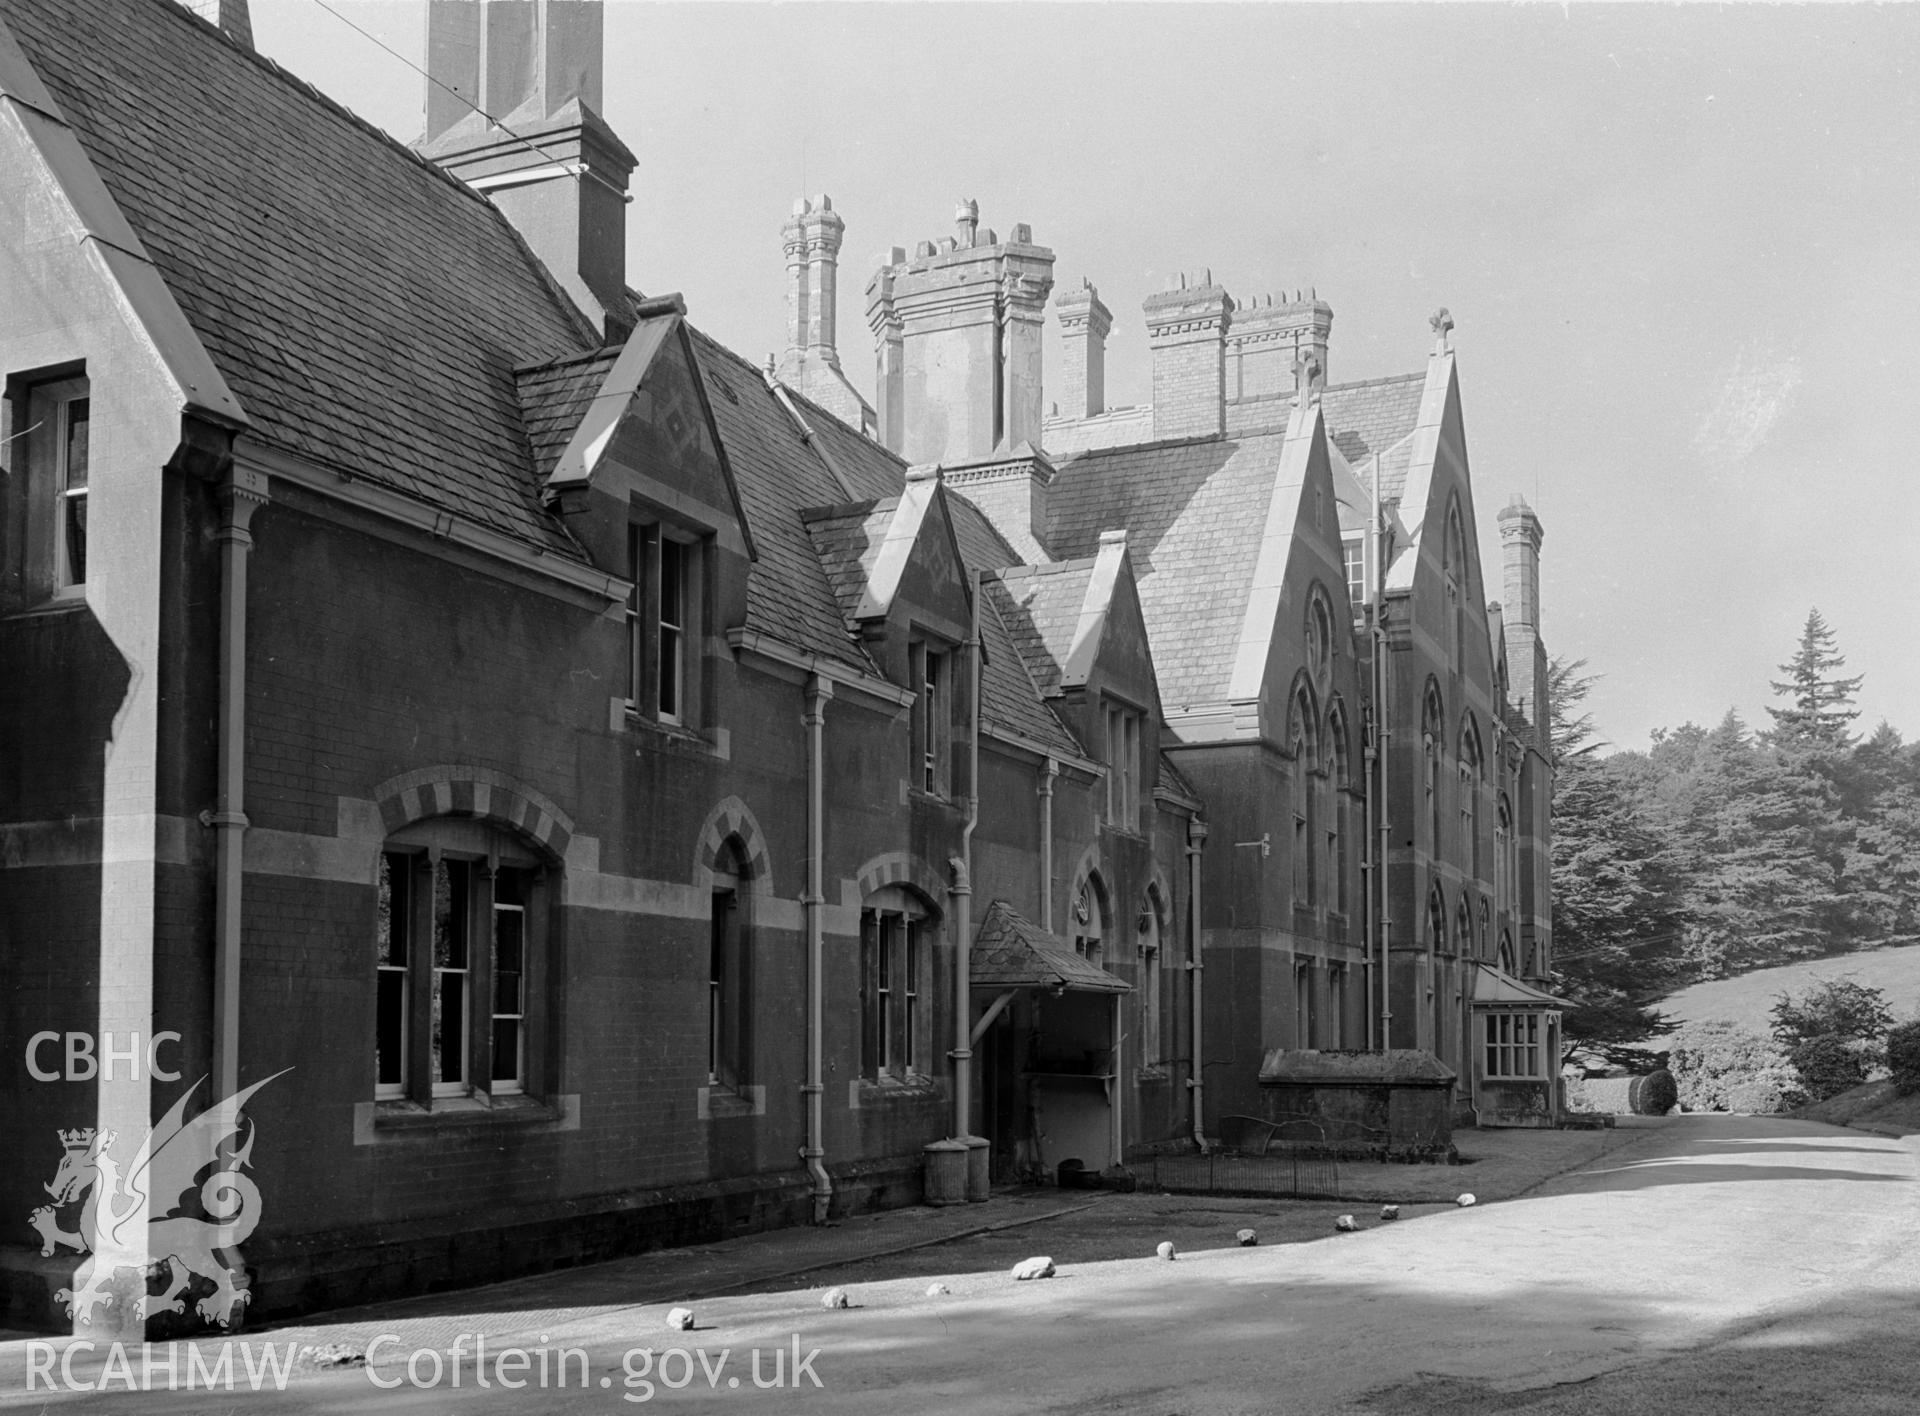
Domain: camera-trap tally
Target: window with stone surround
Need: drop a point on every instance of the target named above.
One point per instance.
(1123, 729)
(932, 664)
(460, 938)
(896, 941)
(666, 616)
(47, 439)
(1354, 552)
(730, 972)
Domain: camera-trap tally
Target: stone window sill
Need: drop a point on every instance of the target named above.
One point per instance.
(377, 1122)
(884, 1091)
(678, 735)
(716, 1103)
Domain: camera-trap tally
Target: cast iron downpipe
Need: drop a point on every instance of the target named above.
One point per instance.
(241, 494)
(1047, 774)
(819, 690)
(962, 892)
(1196, 1069)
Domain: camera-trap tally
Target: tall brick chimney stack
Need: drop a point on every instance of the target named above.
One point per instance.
(1084, 324)
(811, 239)
(537, 146)
(1520, 537)
(230, 15)
(1277, 348)
(957, 342)
(1186, 330)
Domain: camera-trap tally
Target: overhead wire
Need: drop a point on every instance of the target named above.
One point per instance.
(526, 143)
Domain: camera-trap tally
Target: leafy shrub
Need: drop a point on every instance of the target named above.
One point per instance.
(1654, 1094)
(1837, 1008)
(1903, 1057)
(1722, 1067)
(1828, 1066)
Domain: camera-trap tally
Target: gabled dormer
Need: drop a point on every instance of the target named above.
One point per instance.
(625, 443)
(1080, 628)
(895, 567)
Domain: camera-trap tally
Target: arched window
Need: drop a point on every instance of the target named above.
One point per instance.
(1471, 781)
(1148, 928)
(1305, 1013)
(1486, 928)
(1437, 920)
(1463, 928)
(1508, 963)
(729, 971)
(1301, 744)
(1433, 719)
(461, 938)
(1503, 861)
(1090, 919)
(1336, 782)
(1454, 564)
(1319, 637)
(896, 946)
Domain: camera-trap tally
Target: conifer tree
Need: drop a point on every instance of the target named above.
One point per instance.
(1616, 920)
(1820, 700)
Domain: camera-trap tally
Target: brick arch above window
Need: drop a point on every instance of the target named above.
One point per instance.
(901, 868)
(730, 820)
(477, 792)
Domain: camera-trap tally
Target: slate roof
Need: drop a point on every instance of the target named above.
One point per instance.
(1040, 606)
(1194, 510)
(1009, 690)
(554, 398)
(1194, 513)
(789, 594)
(1011, 951)
(847, 540)
(1365, 418)
(367, 310)
(1172, 779)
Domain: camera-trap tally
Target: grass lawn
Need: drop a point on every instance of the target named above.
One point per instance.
(1748, 999)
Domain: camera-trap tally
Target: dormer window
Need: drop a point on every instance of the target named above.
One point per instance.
(664, 617)
(1123, 767)
(932, 668)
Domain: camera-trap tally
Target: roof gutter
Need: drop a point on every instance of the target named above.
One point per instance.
(751, 641)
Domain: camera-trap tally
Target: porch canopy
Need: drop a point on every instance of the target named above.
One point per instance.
(1492, 987)
(1011, 951)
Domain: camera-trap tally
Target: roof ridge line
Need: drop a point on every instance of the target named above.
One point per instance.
(1419, 376)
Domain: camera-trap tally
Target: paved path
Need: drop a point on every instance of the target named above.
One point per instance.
(1706, 1230)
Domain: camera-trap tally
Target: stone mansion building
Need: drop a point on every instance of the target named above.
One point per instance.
(589, 790)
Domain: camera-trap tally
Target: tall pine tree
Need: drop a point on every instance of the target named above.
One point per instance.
(1820, 700)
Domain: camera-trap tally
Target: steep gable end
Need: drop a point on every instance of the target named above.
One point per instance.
(367, 311)
(646, 435)
(63, 208)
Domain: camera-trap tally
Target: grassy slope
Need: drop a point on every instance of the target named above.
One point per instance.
(1746, 1000)
(1876, 1105)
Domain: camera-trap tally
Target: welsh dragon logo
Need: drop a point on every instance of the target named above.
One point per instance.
(165, 1170)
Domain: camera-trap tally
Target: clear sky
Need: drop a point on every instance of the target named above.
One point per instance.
(1681, 246)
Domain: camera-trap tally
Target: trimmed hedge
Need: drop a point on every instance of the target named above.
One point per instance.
(1654, 1094)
